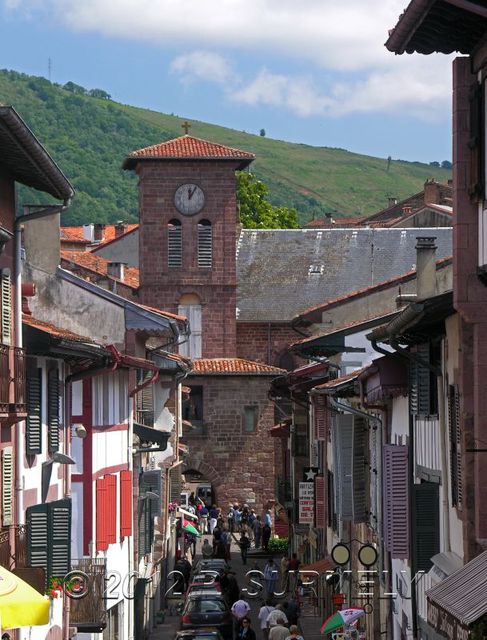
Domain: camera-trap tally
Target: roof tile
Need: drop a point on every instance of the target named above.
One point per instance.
(54, 331)
(99, 265)
(233, 366)
(187, 147)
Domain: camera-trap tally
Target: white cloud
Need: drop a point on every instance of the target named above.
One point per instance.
(336, 35)
(417, 90)
(203, 66)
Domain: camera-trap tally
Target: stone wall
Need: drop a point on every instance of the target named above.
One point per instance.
(239, 465)
(265, 342)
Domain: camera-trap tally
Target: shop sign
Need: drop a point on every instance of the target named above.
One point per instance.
(306, 503)
(445, 624)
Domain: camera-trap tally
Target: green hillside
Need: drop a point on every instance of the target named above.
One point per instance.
(89, 136)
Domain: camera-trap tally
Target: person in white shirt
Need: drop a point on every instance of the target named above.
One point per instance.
(264, 612)
(274, 616)
(279, 631)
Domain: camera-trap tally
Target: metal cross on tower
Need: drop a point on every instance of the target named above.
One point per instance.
(186, 126)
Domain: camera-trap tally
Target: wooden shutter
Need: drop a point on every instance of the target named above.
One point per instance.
(6, 297)
(205, 241)
(426, 525)
(174, 244)
(359, 479)
(126, 496)
(101, 515)
(111, 495)
(60, 538)
(420, 382)
(38, 536)
(396, 500)
(7, 486)
(322, 417)
(53, 410)
(320, 499)
(33, 433)
(149, 508)
(455, 446)
(344, 470)
(194, 318)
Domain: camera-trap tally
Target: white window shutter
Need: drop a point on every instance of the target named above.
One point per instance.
(7, 486)
(6, 295)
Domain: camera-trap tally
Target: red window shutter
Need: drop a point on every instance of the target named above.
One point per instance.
(101, 513)
(320, 497)
(125, 503)
(111, 481)
(322, 417)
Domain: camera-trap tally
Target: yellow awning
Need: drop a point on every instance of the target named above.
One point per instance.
(20, 604)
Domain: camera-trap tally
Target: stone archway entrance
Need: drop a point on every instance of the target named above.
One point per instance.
(207, 471)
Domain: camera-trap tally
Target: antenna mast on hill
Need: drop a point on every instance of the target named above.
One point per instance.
(49, 69)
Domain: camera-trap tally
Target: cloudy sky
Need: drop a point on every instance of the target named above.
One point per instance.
(310, 71)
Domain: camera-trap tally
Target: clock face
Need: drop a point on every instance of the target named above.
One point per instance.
(189, 199)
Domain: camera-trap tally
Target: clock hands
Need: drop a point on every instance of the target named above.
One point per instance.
(191, 192)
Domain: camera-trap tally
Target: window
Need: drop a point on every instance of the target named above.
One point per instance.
(204, 244)
(300, 440)
(426, 525)
(49, 538)
(33, 433)
(395, 487)
(7, 486)
(110, 404)
(6, 300)
(190, 306)
(174, 244)
(193, 410)
(250, 418)
(53, 410)
(149, 508)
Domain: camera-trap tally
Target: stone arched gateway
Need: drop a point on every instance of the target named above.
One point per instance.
(210, 474)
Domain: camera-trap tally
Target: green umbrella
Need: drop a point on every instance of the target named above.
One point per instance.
(341, 619)
(189, 528)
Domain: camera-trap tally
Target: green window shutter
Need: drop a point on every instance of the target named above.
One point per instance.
(7, 486)
(344, 466)
(53, 410)
(420, 380)
(6, 296)
(150, 507)
(59, 538)
(33, 434)
(426, 525)
(38, 536)
(455, 446)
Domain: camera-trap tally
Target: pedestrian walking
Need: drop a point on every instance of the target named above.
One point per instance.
(246, 632)
(279, 631)
(271, 575)
(294, 633)
(213, 518)
(237, 515)
(277, 614)
(293, 610)
(293, 572)
(206, 549)
(230, 519)
(244, 544)
(203, 519)
(257, 526)
(284, 573)
(240, 610)
(264, 612)
(266, 536)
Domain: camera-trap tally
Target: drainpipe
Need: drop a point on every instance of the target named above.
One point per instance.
(20, 428)
(348, 409)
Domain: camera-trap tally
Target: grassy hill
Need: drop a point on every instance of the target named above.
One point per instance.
(89, 137)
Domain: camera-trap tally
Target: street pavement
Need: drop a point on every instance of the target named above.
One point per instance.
(310, 624)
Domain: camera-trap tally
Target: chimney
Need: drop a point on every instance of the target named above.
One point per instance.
(120, 228)
(392, 201)
(99, 232)
(116, 269)
(407, 210)
(425, 267)
(431, 192)
(88, 232)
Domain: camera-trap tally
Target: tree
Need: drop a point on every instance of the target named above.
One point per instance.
(99, 93)
(446, 164)
(434, 164)
(74, 88)
(262, 133)
(256, 212)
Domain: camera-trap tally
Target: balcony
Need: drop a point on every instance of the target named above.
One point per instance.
(13, 555)
(89, 613)
(19, 381)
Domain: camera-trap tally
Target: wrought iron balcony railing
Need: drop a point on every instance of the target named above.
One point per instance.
(19, 380)
(89, 612)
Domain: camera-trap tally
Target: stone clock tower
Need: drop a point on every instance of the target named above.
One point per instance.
(187, 237)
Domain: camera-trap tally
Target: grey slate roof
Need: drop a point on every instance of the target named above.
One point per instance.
(282, 272)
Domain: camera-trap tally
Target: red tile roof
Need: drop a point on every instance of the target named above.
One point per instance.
(164, 313)
(233, 366)
(54, 331)
(187, 148)
(99, 265)
(348, 377)
(328, 304)
(76, 234)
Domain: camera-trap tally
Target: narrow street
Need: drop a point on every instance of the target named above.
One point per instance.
(309, 623)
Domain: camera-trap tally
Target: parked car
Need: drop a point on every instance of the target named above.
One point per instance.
(210, 564)
(199, 634)
(206, 581)
(206, 608)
